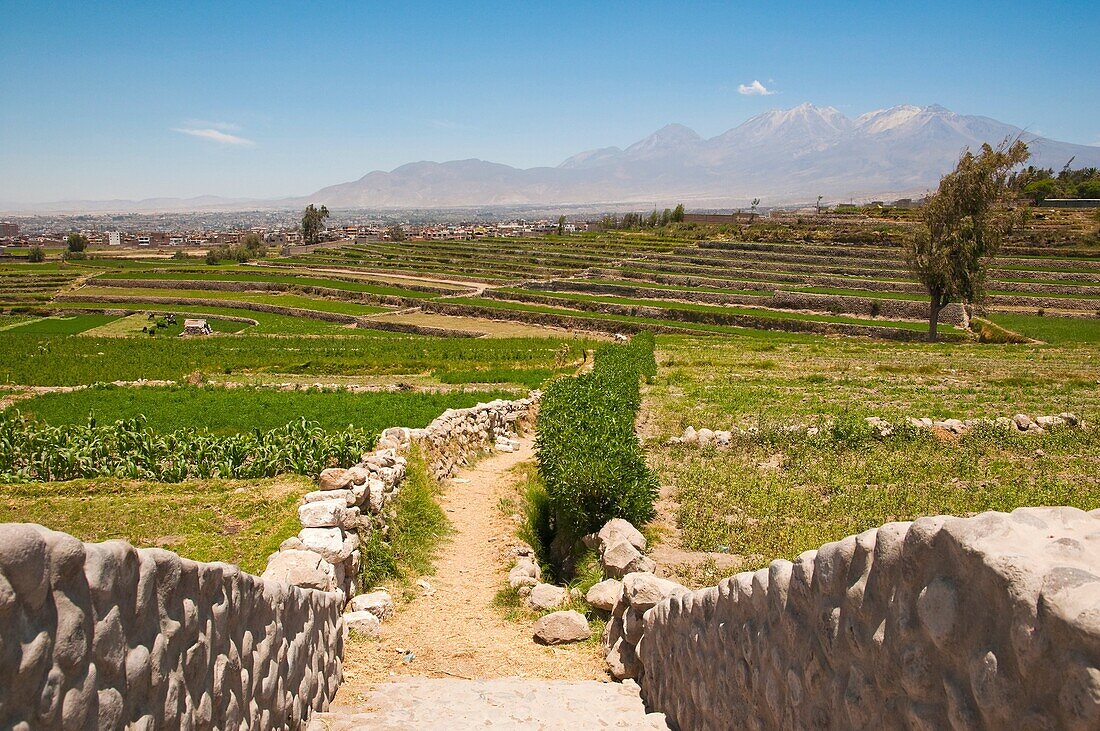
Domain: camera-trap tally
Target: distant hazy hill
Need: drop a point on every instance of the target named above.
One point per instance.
(779, 156)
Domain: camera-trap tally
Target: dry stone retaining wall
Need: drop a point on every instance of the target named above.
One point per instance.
(984, 622)
(103, 635)
(349, 504)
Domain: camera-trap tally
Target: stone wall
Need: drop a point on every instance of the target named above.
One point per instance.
(350, 504)
(103, 635)
(984, 622)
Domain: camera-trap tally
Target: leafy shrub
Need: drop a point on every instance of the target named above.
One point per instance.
(37, 255)
(589, 456)
(31, 450)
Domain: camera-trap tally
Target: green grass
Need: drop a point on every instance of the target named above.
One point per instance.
(62, 360)
(531, 378)
(416, 523)
(1057, 330)
(267, 322)
(282, 300)
(726, 310)
(298, 281)
(830, 487)
(233, 410)
(67, 325)
(774, 495)
(237, 521)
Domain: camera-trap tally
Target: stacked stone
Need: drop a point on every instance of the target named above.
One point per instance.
(628, 591)
(457, 435)
(103, 635)
(347, 505)
(982, 622)
(1022, 423)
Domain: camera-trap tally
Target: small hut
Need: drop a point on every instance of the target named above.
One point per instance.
(195, 327)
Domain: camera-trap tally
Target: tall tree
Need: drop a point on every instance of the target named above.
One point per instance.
(755, 203)
(77, 242)
(962, 225)
(313, 223)
(561, 225)
(678, 213)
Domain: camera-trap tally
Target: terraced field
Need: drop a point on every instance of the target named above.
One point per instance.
(604, 283)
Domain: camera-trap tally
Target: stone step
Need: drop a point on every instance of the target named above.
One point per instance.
(504, 703)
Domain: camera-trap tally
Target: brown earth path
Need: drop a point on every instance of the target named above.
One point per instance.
(453, 629)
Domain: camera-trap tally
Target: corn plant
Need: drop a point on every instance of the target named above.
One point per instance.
(31, 450)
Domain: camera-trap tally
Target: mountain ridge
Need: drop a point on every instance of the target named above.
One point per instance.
(781, 156)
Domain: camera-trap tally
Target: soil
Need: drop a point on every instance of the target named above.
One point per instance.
(453, 629)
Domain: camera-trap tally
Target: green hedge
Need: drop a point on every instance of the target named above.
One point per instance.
(589, 456)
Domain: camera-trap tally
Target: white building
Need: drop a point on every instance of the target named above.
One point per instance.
(114, 238)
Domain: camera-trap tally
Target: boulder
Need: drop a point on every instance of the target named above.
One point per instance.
(322, 514)
(1022, 421)
(643, 590)
(561, 628)
(621, 558)
(321, 495)
(332, 479)
(363, 622)
(379, 603)
(705, 437)
(619, 528)
(333, 544)
(546, 596)
(690, 436)
(301, 568)
(605, 595)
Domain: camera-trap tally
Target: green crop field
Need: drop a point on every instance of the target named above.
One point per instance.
(233, 410)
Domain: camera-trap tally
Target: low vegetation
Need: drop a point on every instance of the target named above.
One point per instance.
(225, 411)
(34, 451)
(415, 526)
(205, 520)
(588, 454)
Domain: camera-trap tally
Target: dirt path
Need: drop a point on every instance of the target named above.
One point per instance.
(454, 630)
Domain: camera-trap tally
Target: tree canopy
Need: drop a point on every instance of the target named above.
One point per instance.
(76, 242)
(313, 223)
(962, 225)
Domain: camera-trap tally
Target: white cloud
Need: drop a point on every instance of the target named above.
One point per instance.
(214, 135)
(207, 124)
(754, 89)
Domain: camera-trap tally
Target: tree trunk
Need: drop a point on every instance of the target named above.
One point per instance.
(933, 318)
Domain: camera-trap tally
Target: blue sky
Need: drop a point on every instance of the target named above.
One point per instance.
(135, 100)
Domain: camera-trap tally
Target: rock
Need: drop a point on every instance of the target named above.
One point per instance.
(546, 596)
(561, 628)
(320, 495)
(690, 436)
(619, 528)
(356, 475)
(523, 574)
(619, 558)
(1070, 418)
(1048, 421)
(605, 595)
(642, 590)
(333, 544)
(706, 437)
(363, 622)
(332, 479)
(322, 514)
(1022, 421)
(722, 438)
(301, 568)
(379, 603)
